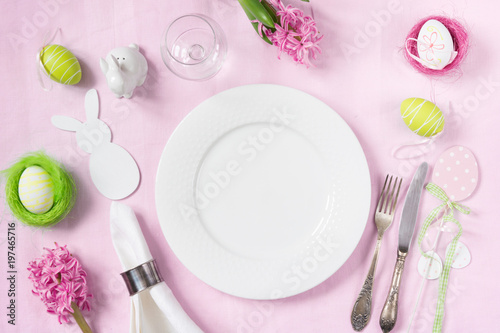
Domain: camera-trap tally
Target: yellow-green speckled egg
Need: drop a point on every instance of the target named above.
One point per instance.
(36, 190)
(422, 117)
(60, 64)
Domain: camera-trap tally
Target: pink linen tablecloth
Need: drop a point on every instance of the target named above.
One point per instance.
(361, 74)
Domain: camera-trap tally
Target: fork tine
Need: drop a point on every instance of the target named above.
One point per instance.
(386, 194)
(396, 197)
(382, 195)
(390, 201)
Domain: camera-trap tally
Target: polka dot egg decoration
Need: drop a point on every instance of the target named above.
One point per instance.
(456, 172)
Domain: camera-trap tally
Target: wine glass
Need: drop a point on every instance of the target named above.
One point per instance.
(194, 47)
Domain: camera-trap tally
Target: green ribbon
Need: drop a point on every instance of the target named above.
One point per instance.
(449, 205)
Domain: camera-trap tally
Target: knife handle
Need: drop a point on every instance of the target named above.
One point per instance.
(390, 311)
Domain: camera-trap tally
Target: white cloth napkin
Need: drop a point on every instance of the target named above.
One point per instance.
(154, 310)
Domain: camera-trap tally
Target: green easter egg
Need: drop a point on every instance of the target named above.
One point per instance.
(60, 64)
(422, 117)
(36, 190)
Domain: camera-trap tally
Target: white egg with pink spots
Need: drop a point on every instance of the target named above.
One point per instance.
(430, 267)
(462, 256)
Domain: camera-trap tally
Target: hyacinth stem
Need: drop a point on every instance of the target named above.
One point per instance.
(77, 314)
(80, 320)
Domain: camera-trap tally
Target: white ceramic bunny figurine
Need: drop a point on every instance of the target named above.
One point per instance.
(125, 68)
(112, 169)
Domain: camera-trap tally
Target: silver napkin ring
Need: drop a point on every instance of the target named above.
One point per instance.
(142, 277)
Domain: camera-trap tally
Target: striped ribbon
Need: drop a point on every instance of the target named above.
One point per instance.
(450, 206)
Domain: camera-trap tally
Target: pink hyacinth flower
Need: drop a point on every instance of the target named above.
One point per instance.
(60, 282)
(296, 34)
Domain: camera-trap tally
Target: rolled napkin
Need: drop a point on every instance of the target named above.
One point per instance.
(153, 309)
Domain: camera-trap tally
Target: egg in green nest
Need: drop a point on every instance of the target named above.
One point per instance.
(40, 192)
(36, 190)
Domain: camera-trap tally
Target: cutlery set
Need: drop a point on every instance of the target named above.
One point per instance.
(384, 215)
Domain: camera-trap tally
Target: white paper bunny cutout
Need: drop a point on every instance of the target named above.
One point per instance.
(112, 169)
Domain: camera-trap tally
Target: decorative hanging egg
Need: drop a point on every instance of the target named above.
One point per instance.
(422, 117)
(36, 190)
(462, 256)
(431, 267)
(456, 172)
(60, 64)
(435, 45)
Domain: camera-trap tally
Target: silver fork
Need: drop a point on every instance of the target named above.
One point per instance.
(384, 215)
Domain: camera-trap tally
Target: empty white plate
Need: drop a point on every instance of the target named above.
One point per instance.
(263, 191)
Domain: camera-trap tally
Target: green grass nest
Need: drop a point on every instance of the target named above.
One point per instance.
(64, 190)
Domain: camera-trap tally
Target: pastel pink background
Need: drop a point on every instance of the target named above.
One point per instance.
(365, 87)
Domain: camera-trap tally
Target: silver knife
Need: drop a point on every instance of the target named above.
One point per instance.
(406, 227)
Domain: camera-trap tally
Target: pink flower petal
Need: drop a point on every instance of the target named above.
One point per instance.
(58, 280)
(296, 34)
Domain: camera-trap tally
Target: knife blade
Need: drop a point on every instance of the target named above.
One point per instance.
(389, 313)
(410, 208)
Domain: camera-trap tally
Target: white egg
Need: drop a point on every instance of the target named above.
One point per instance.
(435, 45)
(462, 255)
(430, 268)
(36, 190)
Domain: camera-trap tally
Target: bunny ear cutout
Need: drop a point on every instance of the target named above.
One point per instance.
(92, 105)
(66, 123)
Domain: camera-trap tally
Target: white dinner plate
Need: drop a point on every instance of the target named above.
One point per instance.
(263, 191)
